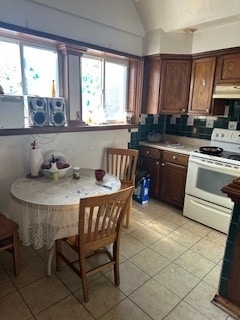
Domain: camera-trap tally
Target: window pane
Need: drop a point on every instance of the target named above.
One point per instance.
(115, 91)
(91, 88)
(10, 70)
(40, 69)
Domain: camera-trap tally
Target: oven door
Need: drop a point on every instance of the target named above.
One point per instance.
(205, 179)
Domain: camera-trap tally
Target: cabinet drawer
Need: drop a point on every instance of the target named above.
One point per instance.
(174, 157)
(150, 152)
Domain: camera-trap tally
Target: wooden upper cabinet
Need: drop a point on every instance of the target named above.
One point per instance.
(174, 86)
(166, 84)
(202, 79)
(151, 85)
(201, 89)
(228, 69)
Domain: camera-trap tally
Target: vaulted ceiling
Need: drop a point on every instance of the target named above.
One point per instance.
(179, 15)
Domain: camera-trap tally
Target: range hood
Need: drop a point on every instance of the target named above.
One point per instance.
(227, 91)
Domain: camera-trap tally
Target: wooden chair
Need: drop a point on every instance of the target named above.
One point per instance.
(9, 240)
(122, 163)
(100, 222)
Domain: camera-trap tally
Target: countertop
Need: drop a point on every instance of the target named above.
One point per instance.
(178, 144)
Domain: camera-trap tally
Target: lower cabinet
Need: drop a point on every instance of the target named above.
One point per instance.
(150, 159)
(168, 171)
(173, 178)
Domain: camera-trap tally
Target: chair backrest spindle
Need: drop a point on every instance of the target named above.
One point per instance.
(122, 163)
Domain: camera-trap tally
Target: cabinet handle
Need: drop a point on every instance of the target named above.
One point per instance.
(203, 82)
(163, 164)
(147, 152)
(183, 110)
(157, 163)
(174, 157)
(207, 110)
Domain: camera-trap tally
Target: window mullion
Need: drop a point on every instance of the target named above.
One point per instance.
(22, 66)
(103, 84)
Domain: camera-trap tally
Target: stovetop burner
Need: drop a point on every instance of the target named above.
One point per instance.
(222, 155)
(234, 157)
(223, 148)
(211, 150)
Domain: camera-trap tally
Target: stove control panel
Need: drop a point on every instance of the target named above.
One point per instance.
(225, 135)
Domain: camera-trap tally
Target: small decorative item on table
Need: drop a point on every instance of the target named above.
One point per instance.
(76, 173)
(53, 170)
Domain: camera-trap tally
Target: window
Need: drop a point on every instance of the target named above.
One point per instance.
(40, 69)
(104, 90)
(10, 68)
(25, 69)
(101, 88)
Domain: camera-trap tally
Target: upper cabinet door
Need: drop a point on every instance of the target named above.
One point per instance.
(202, 80)
(151, 86)
(228, 69)
(174, 88)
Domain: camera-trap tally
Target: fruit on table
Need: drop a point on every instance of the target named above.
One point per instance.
(45, 166)
(60, 165)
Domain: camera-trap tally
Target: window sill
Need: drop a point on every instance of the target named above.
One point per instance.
(80, 128)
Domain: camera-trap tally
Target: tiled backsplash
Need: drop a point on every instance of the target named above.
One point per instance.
(189, 126)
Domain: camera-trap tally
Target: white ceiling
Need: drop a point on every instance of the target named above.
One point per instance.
(179, 15)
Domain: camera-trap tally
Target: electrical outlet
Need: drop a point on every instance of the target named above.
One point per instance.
(226, 111)
(142, 120)
(232, 125)
(190, 121)
(173, 120)
(195, 130)
(209, 123)
(155, 120)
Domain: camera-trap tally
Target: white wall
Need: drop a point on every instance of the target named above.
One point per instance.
(111, 30)
(118, 25)
(222, 37)
(178, 15)
(172, 15)
(217, 23)
(158, 41)
(207, 39)
(85, 149)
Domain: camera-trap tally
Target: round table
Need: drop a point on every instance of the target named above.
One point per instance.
(47, 210)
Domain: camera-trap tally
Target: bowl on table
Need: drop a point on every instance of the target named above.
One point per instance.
(61, 172)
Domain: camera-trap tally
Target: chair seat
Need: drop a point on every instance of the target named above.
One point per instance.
(125, 184)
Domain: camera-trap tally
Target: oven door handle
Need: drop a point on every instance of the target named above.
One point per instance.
(215, 166)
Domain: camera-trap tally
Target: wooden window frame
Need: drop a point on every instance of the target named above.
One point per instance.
(70, 47)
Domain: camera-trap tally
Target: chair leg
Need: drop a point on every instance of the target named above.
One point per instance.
(82, 267)
(49, 265)
(116, 265)
(16, 259)
(128, 211)
(58, 259)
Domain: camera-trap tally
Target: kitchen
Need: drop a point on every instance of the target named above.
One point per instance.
(155, 42)
(180, 43)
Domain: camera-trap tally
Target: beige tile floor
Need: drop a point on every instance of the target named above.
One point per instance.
(170, 269)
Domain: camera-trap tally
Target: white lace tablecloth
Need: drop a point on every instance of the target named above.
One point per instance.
(47, 210)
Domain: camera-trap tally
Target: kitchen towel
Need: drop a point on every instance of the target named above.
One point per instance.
(36, 161)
